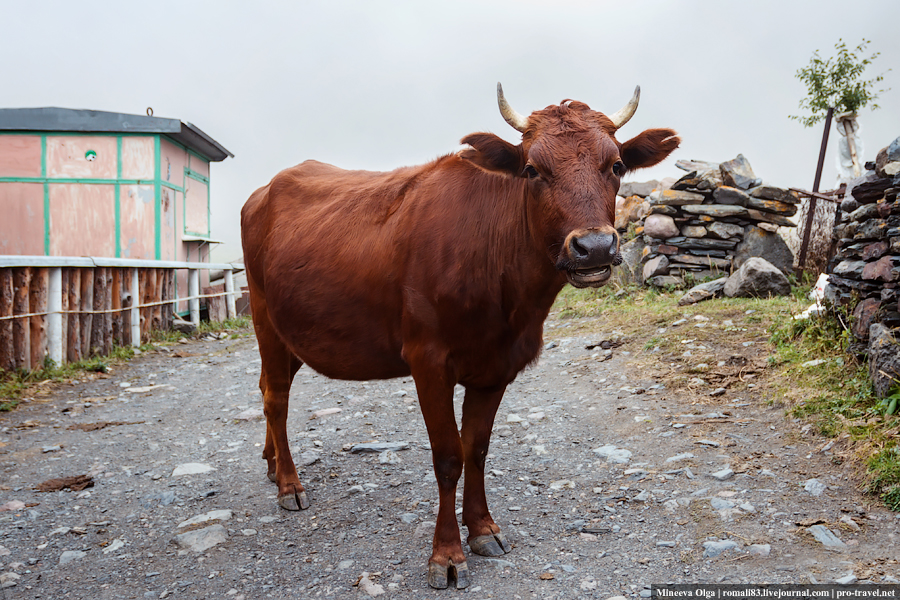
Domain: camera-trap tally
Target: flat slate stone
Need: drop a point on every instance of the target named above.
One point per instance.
(693, 231)
(772, 206)
(379, 447)
(701, 261)
(758, 215)
(704, 291)
(770, 192)
(715, 210)
(200, 540)
(730, 196)
(701, 243)
(675, 198)
(738, 173)
(725, 231)
(826, 537)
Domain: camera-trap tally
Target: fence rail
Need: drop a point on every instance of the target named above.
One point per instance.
(69, 308)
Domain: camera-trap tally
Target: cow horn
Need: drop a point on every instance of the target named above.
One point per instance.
(517, 121)
(624, 114)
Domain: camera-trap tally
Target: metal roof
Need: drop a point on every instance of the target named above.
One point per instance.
(98, 121)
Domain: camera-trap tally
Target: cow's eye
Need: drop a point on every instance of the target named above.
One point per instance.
(530, 172)
(619, 168)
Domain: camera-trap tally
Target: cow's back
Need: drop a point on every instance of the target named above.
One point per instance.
(321, 248)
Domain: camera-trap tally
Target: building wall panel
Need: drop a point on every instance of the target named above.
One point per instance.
(137, 222)
(196, 219)
(22, 210)
(82, 220)
(200, 166)
(66, 157)
(20, 156)
(173, 160)
(169, 235)
(137, 157)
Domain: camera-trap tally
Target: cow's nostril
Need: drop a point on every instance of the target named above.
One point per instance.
(577, 249)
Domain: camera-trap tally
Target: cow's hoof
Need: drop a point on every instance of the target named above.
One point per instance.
(294, 501)
(493, 544)
(438, 575)
(272, 477)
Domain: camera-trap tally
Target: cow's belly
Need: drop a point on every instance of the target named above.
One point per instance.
(344, 328)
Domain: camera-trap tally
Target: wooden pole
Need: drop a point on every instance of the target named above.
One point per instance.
(135, 311)
(193, 292)
(118, 338)
(230, 310)
(87, 304)
(7, 355)
(54, 316)
(811, 210)
(37, 303)
(156, 322)
(73, 347)
(21, 327)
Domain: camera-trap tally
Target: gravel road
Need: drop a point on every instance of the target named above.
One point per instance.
(606, 480)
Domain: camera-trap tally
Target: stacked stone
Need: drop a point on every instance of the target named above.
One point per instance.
(866, 268)
(712, 220)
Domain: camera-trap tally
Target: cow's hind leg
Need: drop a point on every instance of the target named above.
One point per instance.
(279, 366)
(479, 409)
(447, 557)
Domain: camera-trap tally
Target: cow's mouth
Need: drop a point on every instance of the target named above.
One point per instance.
(592, 277)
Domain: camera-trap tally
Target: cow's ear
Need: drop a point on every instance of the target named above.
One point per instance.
(648, 148)
(494, 154)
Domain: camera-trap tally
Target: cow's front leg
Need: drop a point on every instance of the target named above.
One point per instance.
(436, 400)
(479, 409)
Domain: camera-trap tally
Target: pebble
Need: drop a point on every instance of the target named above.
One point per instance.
(12, 505)
(325, 412)
(723, 475)
(642, 497)
(70, 555)
(679, 457)
(191, 469)
(539, 449)
(846, 580)
(424, 529)
(718, 392)
(666, 544)
(710, 443)
(613, 454)
(214, 515)
(48, 449)
(344, 565)
(379, 447)
(200, 540)
(389, 457)
(309, 457)
(714, 549)
(760, 549)
(814, 487)
(409, 518)
(562, 484)
(114, 545)
(248, 532)
(268, 519)
(251, 414)
(368, 586)
(826, 537)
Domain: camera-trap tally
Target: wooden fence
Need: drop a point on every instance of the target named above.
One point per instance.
(69, 308)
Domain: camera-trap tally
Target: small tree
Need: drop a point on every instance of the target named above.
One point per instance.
(836, 83)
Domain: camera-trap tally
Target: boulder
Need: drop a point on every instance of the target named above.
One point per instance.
(635, 188)
(884, 360)
(656, 266)
(660, 227)
(766, 245)
(738, 173)
(725, 231)
(630, 271)
(704, 291)
(757, 278)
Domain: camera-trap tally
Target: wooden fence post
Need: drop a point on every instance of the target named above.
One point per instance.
(7, 355)
(21, 327)
(87, 305)
(230, 309)
(193, 292)
(74, 329)
(37, 303)
(54, 316)
(135, 308)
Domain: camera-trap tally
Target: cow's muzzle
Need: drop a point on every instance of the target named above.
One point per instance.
(590, 255)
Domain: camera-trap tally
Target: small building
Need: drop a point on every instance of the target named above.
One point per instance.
(94, 183)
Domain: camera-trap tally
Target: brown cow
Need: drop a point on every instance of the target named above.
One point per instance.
(445, 271)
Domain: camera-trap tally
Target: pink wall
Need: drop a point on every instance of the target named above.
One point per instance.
(137, 157)
(197, 211)
(22, 210)
(20, 156)
(173, 160)
(137, 220)
(82, 220)
(66, 157)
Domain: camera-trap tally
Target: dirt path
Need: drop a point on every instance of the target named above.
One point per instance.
(603, 477)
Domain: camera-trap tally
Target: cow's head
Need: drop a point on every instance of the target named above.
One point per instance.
(571, 165)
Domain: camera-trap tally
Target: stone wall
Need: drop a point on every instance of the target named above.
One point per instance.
(709, 223)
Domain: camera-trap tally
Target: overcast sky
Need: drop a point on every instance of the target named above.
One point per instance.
(376, 85)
